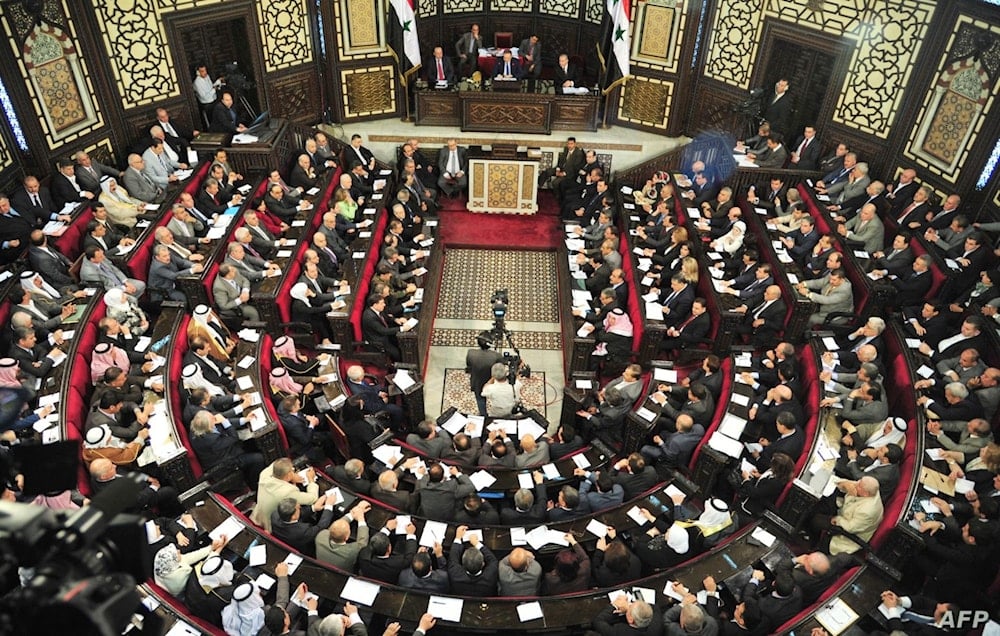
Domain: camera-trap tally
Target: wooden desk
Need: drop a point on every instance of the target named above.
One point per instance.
(502, 186)
(486, 111)
(275, 145)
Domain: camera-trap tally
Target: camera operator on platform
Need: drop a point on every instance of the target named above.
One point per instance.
(479, 364)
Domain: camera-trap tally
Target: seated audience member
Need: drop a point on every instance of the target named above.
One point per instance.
(759, 491)
(674, 450)
(567, 505)
(386, 490)
(634, 476)
(383, 561)
(439, 497)
(279, 481)
(306, 309)
(217, 446)
(612, 563)
(833, 294)
(571, 572)
(608, 494)
(859, 515)
(882, 463)
(428, 572)
(299, 528)
(477, 511)
(332, 544)
(472, 567)
(172, 568)
(532, 452)
(529, 507)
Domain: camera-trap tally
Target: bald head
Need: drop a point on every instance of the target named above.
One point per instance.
(340, 531)
(867, 487)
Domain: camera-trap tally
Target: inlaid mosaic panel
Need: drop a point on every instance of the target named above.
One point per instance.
(646, 101)
(564, 8)
(368, 91)
(657, 41)
(56, 76)
(954, 110)
(888, 38)
(284, 33)
(594, 12)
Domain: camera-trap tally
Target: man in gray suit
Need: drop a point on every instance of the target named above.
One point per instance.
(89, 172)
(865, 405)
(531, 59)
(232, 294)
(163, 274)
(332, 546)
(429, 439)
(453, 164)
(467, 49)
(254, 269)
(138, 184)
(833, 293)
(629, 384)
(96, 269)
(851, 187)
(159, 167)
(439, 497)
(865, 228)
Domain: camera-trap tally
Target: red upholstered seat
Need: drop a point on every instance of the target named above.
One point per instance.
(266, 364)
(364, 279)
(806, 611)
(71, 240)
(938, 277)
(174, 388)
(632, 306)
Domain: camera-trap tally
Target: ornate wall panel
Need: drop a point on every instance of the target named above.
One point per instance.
(887, 35)
(646, 101)
(657, 41)
(595, 11)
(510, 5)
(57, 77)
(958, 104)
(426, 8)
(563, 8)
(368, 91)
(361, 31)
(284, 33)
(462, 6)
(295, 97)
(6, 157)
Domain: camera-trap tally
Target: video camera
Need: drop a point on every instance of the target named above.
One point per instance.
(502, 338)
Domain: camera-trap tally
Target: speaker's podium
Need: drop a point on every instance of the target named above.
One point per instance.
(502, 180)
(267, 146)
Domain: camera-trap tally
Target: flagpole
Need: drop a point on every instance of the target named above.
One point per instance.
(405, 80)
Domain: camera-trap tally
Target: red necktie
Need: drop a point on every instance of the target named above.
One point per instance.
(440, 71)
(802, 146)
(908, 209)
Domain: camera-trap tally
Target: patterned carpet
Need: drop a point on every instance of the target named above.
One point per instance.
(471, 276)
(457, 392)
(524, 340)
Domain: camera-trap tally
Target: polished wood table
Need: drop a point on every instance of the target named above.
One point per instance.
(488, 111)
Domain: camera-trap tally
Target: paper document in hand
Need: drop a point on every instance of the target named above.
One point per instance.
(550, 471)
(434, 532)
(654, 311)
(456, 423)
(446, 608)
(725, 445)
(482, 479)
(363, 592)
(525, 480)
(597, 528)
(636, 515)
(386, 453)
(230, 527)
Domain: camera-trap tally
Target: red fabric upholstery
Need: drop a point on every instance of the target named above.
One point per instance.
(632, 304)
(266, 364)
(726, 369)
(179, 347)
(70, 242)
(364, 279)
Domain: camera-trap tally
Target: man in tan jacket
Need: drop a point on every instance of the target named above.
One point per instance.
(278, 481)
(860, 514)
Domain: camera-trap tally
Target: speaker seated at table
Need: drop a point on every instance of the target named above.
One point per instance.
(507, 71)
(440, 71)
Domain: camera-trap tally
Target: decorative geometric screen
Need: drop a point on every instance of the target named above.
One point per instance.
(888, 36)
(368, 91)
(6, 157)
(462, 6)
(284, 33)
(956, 107)
(656, 41)
(510, 5)
(595, 11)
(564, 8)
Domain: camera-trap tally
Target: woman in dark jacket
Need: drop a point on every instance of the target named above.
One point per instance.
(571, 572)
(759, 492)
(613, 563)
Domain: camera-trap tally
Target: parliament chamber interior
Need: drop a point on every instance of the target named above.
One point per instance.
(651, 318)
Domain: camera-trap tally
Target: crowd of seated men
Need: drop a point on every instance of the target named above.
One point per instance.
(960, 399)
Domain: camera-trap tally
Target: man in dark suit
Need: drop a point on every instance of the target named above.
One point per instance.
(478, 363)
(531, 59)
(382, 561)
(472, 567)
(439, 497)
(224, 116)
(507, 68)
(199, 353)
(529, 507)
(429, 440)
(640, 618)
(567, 75)
(30, 354)
(380, 329)
(567, 167)
(691, 331)
(805, 151)
(634, 476)
(386, 490)
(35, 203)
(896, 259)
(772, 197)
(801, 241)
(790, 441)
(911, 289)
(778, 107)
(298, 528)
(215, 448)
(87, 173)
(362, 154)
(175, 134)
(763, 317)
(439, 69)
(914, 215)
(428, 573)
(782, 602)
(900, 192)
(677, 301)
(50, 263)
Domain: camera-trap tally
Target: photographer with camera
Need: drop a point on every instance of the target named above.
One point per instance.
(502, 397)
(479, 365)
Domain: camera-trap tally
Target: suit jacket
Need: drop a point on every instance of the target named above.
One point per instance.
(387, 569)
(791, 446)
(158, 171)
(536, 56)
(432, 76)
(434, 447)
(608, 623)
(224, 120)
(773, 317)
(141, 186)
(851, 189)
(26, 359)
(679, 305)
(438, 500)
(301, 534)
(406, 502)
(444, 154)
(51, 264)
(376, 331)
(462, 583)
(900, 263)
(809, 157)
(225, 295)
(571, 162)
(341, 555)
(635, 485)
(872, 234)
(775, 158)
(87, 180)
(840, 298)
(912, 289)
(777, 113)
(106, 275)
(572, 73)
(299, 178)
(515, 68)
(20, 200)
(467, 42)
(250, 267)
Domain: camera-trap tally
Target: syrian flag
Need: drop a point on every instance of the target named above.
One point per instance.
(404, 36)
(614, 47)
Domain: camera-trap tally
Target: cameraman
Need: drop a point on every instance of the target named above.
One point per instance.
(479, 365)
(500, 395)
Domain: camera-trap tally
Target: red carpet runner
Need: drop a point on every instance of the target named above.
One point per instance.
(540, 231)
